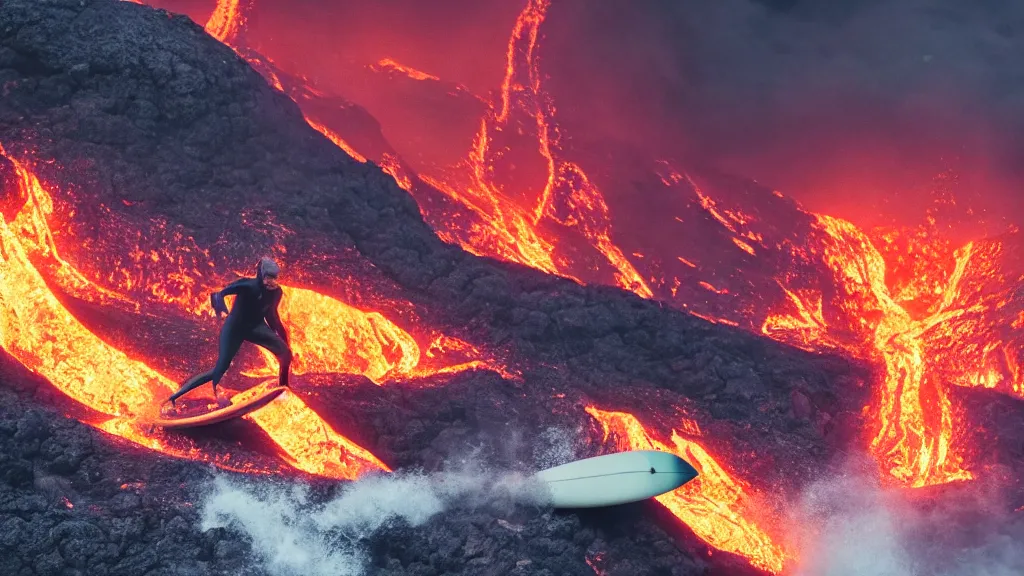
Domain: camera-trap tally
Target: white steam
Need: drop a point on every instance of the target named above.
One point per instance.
(295, 536)
(851, 526)
(557, 446)
(854, 531)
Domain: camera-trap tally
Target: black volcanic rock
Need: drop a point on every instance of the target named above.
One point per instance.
(137, 116)
(75, 502)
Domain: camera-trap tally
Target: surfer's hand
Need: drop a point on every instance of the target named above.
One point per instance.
(217, 301)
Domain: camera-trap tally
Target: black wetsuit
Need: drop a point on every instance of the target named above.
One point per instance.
(253, 318)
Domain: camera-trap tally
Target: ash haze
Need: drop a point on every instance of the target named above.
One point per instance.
(847, 105)
(853, 107)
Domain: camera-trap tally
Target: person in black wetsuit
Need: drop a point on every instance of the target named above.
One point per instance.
(252, 318)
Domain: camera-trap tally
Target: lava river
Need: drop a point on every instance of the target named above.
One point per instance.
(44, 336)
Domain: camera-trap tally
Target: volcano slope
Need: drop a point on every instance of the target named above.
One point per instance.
(143, 122)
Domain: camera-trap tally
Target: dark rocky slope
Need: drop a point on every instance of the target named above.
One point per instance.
(138, 115)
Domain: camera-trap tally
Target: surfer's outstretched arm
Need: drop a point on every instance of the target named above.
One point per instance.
(235, 287)
(217, 298)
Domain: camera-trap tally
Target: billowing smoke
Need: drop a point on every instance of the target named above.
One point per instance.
(849, 525)
(294, 535)
(852, 106)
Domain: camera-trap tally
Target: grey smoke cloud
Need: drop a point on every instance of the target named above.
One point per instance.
(849, 525)
(826, 100)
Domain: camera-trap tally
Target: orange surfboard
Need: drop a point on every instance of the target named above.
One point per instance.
(228, 412)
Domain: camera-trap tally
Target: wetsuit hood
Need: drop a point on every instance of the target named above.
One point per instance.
(266, 266)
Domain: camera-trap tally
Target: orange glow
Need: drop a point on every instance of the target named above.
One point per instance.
(713, 320)
(911, 304)
(310, 443)
(744, 246)
(711, 288)
(504, 223)
(226, 21)
(497, 223)
(389, 64)
(914, 421)
(390, 164)
(331, 337)
(733, 221)
(46, 338)
(337, 140)
(566, 183)
(805, 327)
(714, 504)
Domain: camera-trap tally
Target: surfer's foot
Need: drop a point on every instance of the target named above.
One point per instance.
(222, 399)
(170, 408)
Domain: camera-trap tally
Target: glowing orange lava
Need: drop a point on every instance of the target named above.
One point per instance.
(389, 64)
(337, 140)
(713, 504)
(393, 166)
(331, 337)
(567, 197)
(499, 222)
(227, 20)
(914, 421)
(38, 331)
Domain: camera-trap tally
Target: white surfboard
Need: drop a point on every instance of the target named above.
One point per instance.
(614, 479)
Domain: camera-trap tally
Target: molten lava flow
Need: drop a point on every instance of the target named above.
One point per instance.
(227, 20)
(39, 332)
(913, 418)
(980, 343)
(732, 220)
(329, 336)
(388, 64)
(494, 219)
(393, 166)
(311, 444)
(712, 504)
(805, 326)
(226, 23)
(337, 140)
(567, 196)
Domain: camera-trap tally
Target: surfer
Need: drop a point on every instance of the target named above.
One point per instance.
(253, 318)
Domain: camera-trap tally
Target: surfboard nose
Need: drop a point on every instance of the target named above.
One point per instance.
(673, 464)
